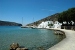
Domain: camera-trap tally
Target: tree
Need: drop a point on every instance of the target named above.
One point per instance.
(67, 16)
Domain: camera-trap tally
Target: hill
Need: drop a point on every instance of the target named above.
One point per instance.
(68, 16)
(53, 17)
(7, 23)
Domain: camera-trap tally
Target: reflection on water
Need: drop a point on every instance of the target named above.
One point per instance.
(33, 39)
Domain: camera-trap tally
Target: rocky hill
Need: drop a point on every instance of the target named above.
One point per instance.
(53, 17)
(7, 23)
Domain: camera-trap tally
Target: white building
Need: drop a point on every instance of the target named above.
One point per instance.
(71, 22)
(45, 24)
(57, 25)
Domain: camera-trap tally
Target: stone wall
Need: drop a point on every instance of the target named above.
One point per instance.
(68, 27)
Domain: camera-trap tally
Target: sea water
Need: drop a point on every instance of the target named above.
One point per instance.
(33, 39)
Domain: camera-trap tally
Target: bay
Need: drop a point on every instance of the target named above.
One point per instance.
(33, 39)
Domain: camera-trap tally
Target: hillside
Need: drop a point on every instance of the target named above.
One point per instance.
(49, 18)
(7, 23)
(68, 16)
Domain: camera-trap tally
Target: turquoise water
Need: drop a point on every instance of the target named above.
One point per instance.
(33, 39)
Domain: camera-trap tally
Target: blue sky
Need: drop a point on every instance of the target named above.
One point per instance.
(14, 10)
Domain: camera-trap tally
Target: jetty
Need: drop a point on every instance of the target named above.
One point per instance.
(25, 27)
(58, 32)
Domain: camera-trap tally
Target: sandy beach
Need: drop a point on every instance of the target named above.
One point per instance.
(66, 44)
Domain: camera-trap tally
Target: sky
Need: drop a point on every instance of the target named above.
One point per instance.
(31, 10)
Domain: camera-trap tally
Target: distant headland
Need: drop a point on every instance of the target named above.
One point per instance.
(7, 23)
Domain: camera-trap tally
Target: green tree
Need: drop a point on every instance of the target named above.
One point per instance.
(67, 16)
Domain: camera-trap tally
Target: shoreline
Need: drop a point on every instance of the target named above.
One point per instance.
(66, 44)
